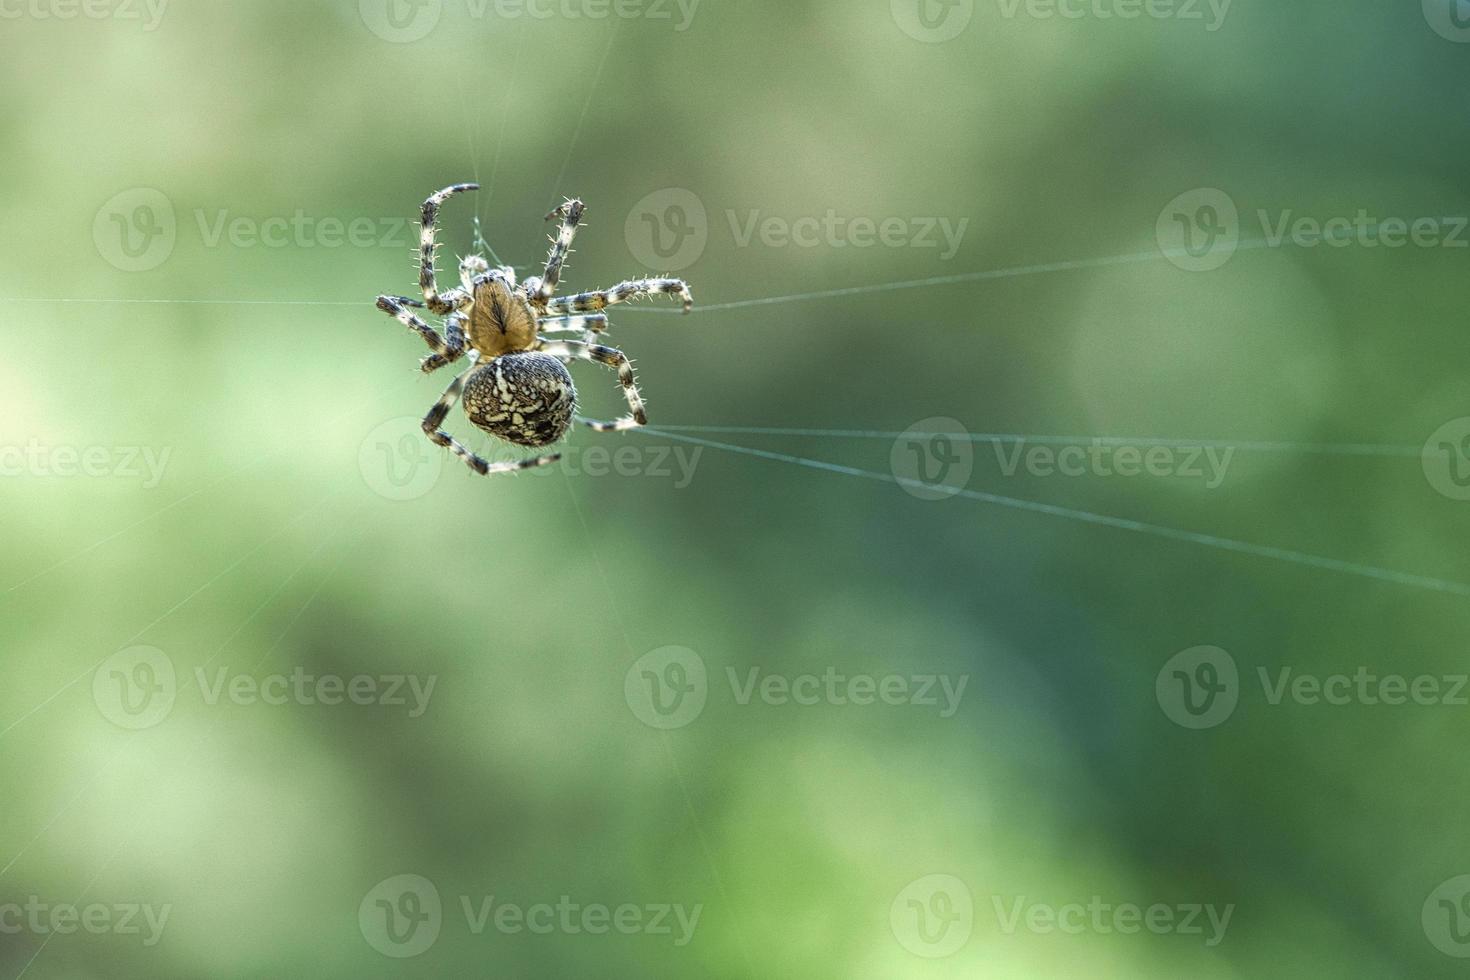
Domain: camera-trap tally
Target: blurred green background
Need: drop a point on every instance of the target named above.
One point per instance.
(211, 463)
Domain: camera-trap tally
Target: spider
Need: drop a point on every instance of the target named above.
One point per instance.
(523, 392)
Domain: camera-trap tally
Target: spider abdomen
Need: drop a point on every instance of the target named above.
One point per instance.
(526, 398)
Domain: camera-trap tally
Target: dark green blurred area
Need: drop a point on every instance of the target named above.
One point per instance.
(283, 399)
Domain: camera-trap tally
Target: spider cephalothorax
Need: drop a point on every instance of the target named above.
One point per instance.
(522, 392)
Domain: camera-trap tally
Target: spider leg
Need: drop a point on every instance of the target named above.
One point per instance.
(589, 326)
(428, 246)
(451, 350)
(613, 358)
(454, 341)
(561, 247)
(439, 437)
(621, 293)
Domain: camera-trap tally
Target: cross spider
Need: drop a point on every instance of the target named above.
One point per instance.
(523, 393)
